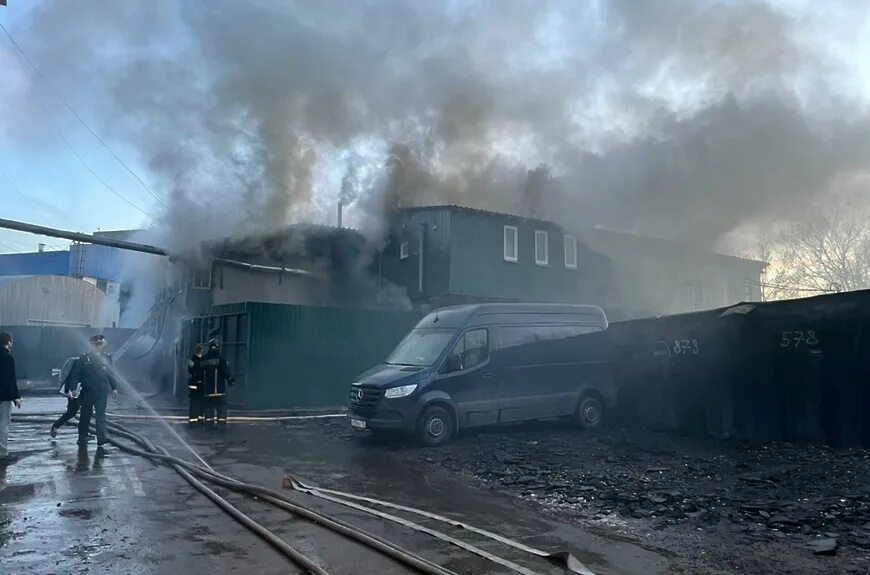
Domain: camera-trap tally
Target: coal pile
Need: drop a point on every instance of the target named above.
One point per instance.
(812, 496)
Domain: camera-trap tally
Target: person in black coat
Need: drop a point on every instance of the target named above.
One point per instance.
(9, 394)
(196, 386)
(94, 371)
(71, 391)
(218, 377)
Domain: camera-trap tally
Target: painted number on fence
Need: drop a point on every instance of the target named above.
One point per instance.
(798, 338)
(685, 347)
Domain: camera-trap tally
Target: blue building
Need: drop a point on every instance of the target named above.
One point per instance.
(35, 264)
(101, 266)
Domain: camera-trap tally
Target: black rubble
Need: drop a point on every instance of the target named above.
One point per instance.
(814, 499)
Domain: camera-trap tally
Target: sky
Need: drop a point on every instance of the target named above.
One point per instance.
(696, 120)
(49, 186)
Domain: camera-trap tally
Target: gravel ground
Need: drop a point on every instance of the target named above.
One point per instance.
(718, 506)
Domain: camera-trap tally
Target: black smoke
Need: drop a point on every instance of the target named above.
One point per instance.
(677, 118)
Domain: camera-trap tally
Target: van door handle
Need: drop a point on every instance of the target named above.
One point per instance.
(486, 376)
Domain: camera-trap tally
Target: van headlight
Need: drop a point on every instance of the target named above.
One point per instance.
(394, 392)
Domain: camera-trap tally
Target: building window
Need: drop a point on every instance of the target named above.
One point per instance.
(542, 248)
(403, 250)
(571, 252)
(202, 280)
(510, 244)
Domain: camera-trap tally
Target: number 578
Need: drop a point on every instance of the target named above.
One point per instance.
(798, 338)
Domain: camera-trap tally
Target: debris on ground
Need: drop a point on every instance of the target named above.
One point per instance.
(823, 546)
(673, 487)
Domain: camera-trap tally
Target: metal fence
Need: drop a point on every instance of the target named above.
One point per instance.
(796, 370)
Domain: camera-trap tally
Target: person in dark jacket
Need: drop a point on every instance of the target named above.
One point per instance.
(94, 371)
(217, 377)
(8, 392)
(71, 390)
(196, 386)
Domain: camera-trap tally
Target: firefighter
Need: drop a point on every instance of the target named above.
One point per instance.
(94, 371)
(196, 386)
(217, 377)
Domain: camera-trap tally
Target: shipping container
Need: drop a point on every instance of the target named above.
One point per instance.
(294, 356)
(796, 370)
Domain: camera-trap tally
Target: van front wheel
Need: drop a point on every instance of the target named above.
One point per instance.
(590, 412)
(435, 426)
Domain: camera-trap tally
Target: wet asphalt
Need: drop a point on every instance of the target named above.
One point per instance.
(62, 511)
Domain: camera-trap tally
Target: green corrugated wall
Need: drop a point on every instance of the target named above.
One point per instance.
(307, 357)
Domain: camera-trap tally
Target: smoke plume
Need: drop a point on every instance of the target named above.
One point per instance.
(679, 118)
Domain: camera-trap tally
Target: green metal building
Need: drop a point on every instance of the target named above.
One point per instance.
(296, 356)
(449, 254)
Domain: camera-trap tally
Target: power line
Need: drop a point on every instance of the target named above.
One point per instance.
(10, 248)
(95, 174)
(78, 117)
(55, 125)
(27, 199)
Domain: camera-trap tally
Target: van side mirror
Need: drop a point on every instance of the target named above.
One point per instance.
(454, 363)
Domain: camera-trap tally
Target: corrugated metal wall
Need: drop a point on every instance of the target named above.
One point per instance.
(49, 300)
(307, 357)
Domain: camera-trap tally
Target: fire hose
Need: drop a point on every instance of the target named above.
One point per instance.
(185, 419)
(188, 470)
(191, 472)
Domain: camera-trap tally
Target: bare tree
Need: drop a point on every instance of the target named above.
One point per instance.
(826, 251)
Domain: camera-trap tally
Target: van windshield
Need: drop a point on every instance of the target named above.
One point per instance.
(421, 347)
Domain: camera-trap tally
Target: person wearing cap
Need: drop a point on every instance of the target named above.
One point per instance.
(94, 371)
(217, 378)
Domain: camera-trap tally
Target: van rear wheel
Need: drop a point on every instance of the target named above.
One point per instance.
(590, 412)
(435, 426)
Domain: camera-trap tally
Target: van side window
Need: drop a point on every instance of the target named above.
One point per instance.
(473, 348)
(512, 336)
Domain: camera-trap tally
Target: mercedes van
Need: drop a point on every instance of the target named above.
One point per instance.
(486, 364)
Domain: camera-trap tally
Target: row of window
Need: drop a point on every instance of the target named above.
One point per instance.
(511, 248)
(542, 247)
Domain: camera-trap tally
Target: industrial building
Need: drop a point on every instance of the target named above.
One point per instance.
(55, 300)
(302, 311)
(452, 254)
(102, 267)
(442, 255)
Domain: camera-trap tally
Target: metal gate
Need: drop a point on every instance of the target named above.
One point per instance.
(233, 329)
